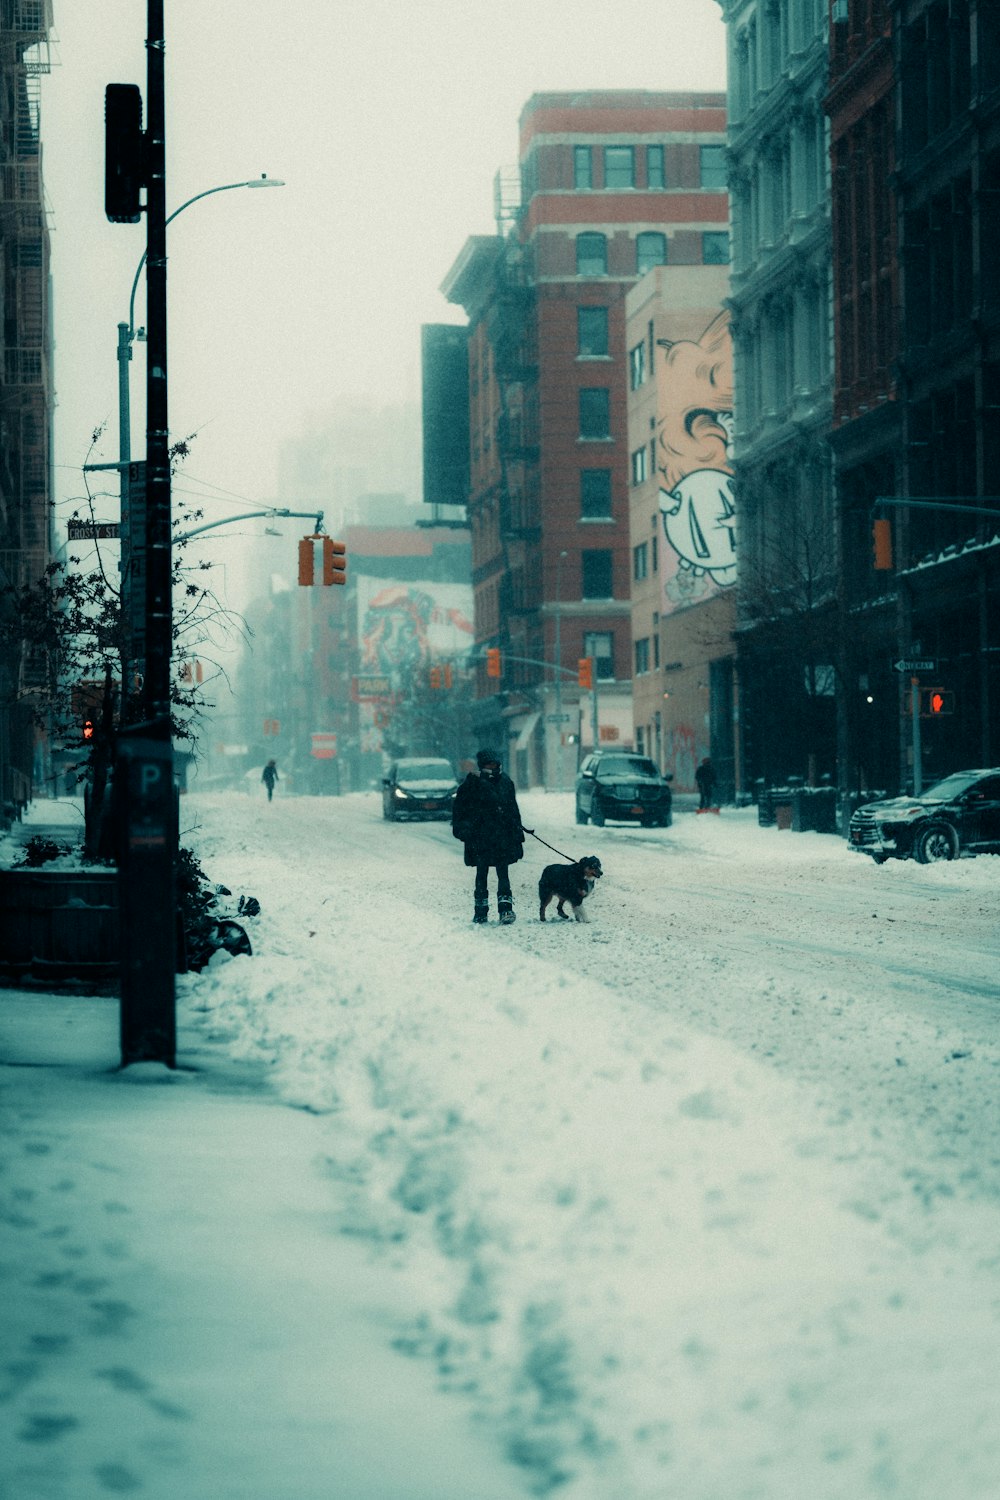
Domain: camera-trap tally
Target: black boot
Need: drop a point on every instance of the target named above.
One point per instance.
(505, 907)
(481, 909)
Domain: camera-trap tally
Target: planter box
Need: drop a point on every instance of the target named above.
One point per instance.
(60, 924)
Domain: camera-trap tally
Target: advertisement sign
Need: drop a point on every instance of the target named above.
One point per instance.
(405, 628)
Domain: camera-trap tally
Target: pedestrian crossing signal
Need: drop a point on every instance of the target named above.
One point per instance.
(936, 701)
(435, 677)
(585, 673)
(882, 539)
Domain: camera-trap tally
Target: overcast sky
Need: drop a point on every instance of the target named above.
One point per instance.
(387, 120)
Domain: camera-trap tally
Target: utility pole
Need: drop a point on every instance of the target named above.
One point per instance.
(145, 780)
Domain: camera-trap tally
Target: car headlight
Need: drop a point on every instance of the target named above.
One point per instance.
(400, 793)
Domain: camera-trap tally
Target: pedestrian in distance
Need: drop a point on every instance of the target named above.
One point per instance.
(486, 818)
(269, 776)
(705, 777)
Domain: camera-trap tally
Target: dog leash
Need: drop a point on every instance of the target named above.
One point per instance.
(561, 855)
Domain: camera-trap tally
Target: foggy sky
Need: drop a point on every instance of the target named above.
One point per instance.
(387, 119)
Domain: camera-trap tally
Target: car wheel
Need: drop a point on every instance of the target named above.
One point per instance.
(935, 842)
(597, 815)
(581, 816)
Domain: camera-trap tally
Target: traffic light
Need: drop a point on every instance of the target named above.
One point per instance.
(935, 702)
(435, 677)
(585, 673)
(494, 667)
(446, 675)
(124, 173)
(88, 730)
(882, 539)
(334, 561)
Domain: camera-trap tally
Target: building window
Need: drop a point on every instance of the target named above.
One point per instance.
(637, 366)
(591, 255)
(713, 167)
(600, 644)
(642, 656)
(715, 247)
(650, 251)
(639, 465)
(583, 169)
(656, 555)
(596, 575)
(591, 332)
(595, 412)
(640, 562)
(656, 176)
(595, 494)
(619, 167)
(656, 646)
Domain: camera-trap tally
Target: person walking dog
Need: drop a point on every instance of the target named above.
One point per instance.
(486, 818)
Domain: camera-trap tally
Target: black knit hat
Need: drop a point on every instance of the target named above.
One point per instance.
(487, 758)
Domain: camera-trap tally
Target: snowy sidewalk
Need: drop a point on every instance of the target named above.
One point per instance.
(183, 1318)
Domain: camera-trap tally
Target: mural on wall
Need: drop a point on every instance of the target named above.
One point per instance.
(693, 451)
(404, 628)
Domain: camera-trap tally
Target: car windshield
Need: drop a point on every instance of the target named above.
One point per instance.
(627, 765)
(424, 770)
(951, 787)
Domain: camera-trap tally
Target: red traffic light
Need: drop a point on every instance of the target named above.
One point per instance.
(88, 729)
(585, 673)
(435, 677)
(493, 664)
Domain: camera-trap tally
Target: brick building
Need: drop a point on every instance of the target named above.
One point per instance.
(609, 184)
(26, 393)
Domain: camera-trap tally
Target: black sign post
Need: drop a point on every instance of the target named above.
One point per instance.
(147, 837)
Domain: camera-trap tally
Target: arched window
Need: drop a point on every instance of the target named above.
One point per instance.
(650, 250)
(591, 255)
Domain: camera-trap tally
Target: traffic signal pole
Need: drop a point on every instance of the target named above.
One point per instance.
(145, 793)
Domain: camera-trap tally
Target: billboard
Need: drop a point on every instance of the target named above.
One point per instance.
(405, 628)
(693, 461)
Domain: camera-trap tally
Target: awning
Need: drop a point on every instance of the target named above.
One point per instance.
(527, 730)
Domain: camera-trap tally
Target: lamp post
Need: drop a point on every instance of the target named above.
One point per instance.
(559, 731)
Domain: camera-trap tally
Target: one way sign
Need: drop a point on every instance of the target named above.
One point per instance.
(918, 664)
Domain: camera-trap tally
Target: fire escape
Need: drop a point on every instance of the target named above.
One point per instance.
(25, 392)
(511, 330)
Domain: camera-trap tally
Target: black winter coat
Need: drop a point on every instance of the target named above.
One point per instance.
(486, 817)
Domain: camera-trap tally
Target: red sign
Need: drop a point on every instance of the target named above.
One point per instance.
(324, 746)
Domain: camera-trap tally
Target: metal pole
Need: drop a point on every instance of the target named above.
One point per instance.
(144, 781)
(559, 728)
(918, 770)
(159, 619)
(124, 459)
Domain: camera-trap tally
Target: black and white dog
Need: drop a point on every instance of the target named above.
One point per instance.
(570, 883)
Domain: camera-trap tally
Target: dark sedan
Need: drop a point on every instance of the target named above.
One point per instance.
(418, 787)
(624, 788)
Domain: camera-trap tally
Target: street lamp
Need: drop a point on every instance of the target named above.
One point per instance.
(127, 331)
(559, 740)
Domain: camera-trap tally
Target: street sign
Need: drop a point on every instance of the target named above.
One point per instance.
(918, 664)
(557, 718)
(92, 531)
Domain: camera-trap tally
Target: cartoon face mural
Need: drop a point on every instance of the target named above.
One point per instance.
(693, 447)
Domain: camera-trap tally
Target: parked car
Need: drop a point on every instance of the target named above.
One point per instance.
(959, 815)
(624, 787)
(418, 787)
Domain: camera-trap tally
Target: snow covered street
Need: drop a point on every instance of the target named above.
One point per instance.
(700, 1198)
(705, 1192)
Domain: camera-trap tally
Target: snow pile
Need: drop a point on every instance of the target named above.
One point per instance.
(651, 1257)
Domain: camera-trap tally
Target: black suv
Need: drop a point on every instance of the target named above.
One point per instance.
(418, 787)
(959, 815)
(628, 788)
